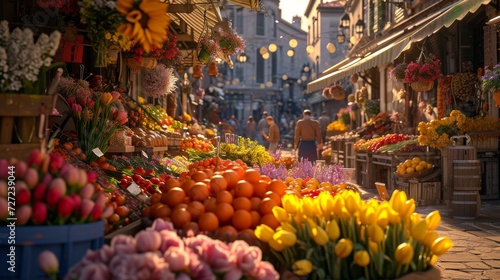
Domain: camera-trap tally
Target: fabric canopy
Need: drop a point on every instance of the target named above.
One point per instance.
(390, 51)
(250, 4)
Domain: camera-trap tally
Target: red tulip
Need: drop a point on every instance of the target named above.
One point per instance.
(56, 163)
(23, 196)
(47, 178)
(31, 178)
(65, 206)
(96, 212)
(71, 175)
(87, 191)
(77, 200)
(35, 158)
(101, 200)
(108, 211)
(91, 176)
(85, 208)
(58, 184)
(23, 214)
(20, 169)
(39, 192)
(52, 197)
(39, 213)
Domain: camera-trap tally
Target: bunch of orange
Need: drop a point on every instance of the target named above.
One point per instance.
(229, 201)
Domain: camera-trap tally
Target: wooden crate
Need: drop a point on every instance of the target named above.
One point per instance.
(448, 155)
(466, 205)
(350, 155)
(20, 123)
(467, 175)
(364, 170)
(424, 193)
(337, 151)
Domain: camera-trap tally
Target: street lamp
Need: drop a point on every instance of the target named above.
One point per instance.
(359, 27)
(345, 21)
(341, 37)
(242, 58)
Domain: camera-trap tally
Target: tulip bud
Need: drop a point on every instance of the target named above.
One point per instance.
(91, 176)
(23, 196)
(393, 216)
(101, 200)
(343, 248)
(108, 211)
(291, 203)
(39, 192)
(362, 258)
(433, 220)
(375, 233)
(85, 208)
(65, 207)
(35, 158)
(264, 232)
(397, 200)
(96, 212)
(82, 178)
(326, 203)
(87, 191)
(280, 214)
(23, 214)
(373, 246)
(20, 167)
(404, 253)
(367, 215)
(433, 260)
(302, 267)
(419, 230)
(288, 227)
(429, 238)
(59, 184)
(308, 208)
(407, 209)
(52, 196)
(319, 235)
(275, 245)
(383, 216)
(352, 202)
(71, 175)
(48, 263)
(339, 206)
(39, 213)
(31, 177)
(285, 238)
(441, 245)
(333, 231)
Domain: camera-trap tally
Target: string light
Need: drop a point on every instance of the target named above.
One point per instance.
(273, 47)
(293, 43)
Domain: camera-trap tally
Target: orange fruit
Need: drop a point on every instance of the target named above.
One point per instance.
(224, 196)
(270, 220)
(265, 178)
(173, 196)
(227, 233)
(240, 171)
(146, 212)
(180, 217)
(209, 172)
(180, 206)
(208, 222)
(199, 192)
(191, 226)
(171, 183)
(267, 205)
(218, 183)
(199, 176)
(252, 176)
(160, 210)
(260, 188)
(187, 184)
(242, 203)
(210, 204)
(224, 212)
(231, 178)
(255, 219)
(277, 186)
(255, 201)
(274, 197)
(243, 188)
(195, 208)
(155, 198)
(241, 219)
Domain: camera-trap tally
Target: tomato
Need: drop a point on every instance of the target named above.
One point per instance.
(140, 171)
(122, 211)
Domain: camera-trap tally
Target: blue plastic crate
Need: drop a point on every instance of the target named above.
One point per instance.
(68, 242)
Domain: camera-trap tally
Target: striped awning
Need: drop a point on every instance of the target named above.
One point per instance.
(250, 4)
(390, 51)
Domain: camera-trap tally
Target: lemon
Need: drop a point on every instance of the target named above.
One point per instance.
(419, 168)
(410, 170)
(429, 166)
(416, 160)
(423, 163)
(408, 163)
(401, 171)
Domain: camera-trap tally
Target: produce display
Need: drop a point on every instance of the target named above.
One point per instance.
(246, 150)
(373, 145)
(337, 126)
(199, 144)
(411, 166)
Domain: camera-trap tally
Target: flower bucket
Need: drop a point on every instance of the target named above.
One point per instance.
(101, 59)
(113, 55)
(422, 86)
(204, 56)
(68, 242)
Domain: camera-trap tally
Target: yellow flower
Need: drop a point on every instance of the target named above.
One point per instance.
(291, 203)
(362, 258)
(264, 232)
(326, 203)
(398, 198)
(383, 216)
(404, 253)
(275, 245)
(375, 233)
(433, 219)
(307, 206)
(319, 235)
(429, 238)
(106, 98)
(288, 227)
(419, 230)
(332, 229)
(352, 202)
(146, 24)
(441, 245)
(285, 238)
(343, 248)
(302, 267)
(280, 214)
(367, 215)
(373, 246)
(407, 209)
(433, 260)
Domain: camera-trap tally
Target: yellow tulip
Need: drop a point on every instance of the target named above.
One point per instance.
(433, 220)
(352, 202)
(285, 238)
(375, 233)
(429, 238)
(367, 215)
(333, 231)
(319, 235)
(433, 260)
(373, 246)
(419, 230)
(106, 98)
(404, 253)
(291, 203)
(397, 200)
(280, 214)
(264, 232)
(441, 245)
(275, 245)
(326, 203)
(362, 258)
(383, 216)
(307, 206)
(393, 216)
(302, 267)
(288, 227)
(415, 218)
(338, 206)
(343, 248)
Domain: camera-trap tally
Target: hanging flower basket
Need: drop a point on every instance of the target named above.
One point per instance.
(337, 92)
(422, 85)
(146, 63)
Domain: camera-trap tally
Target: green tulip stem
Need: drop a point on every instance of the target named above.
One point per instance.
(398, 271)
(329, 263)
(337, 269)
(367, 273)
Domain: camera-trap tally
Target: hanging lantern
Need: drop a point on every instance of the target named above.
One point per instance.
(197, 73)
(213, 71)
(181, 69)
(354, 78)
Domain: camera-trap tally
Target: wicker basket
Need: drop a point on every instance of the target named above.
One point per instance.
(147, 63)
(422, 86)
(418, 174)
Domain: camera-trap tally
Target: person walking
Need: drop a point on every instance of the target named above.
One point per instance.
(251, 128)
(308, 139)
(274, 134)
(262, 126)
(324, 120)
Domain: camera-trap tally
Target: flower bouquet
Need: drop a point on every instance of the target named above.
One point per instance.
(437, 133)
(397, 74)
(159, 253)
(168, 54)
(491, 82)
(344, 237)
(423, 72)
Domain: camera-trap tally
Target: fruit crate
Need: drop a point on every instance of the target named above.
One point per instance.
(338, 154)
(424, 193)
(350, 155)
(364, 170)
(448, 155)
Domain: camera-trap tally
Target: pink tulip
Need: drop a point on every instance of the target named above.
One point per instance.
(4, 169)
(35, 158)
(39, 192)
(87, 191)
(56, 163)
(21, 185)
(77, 200)
(48, 263)
(176, 258)
(108, 211)
(23, 214)
(82, 179)
(101, 200)
(71, 175)
(31, 177)
(77, 109)
(39, 213)
(96, 213)
(47, 178)
(218, 256)
(4, 207)
(52, 196)
(91, 104)
(148, 241)
(71, 101)
(115, 94)
(121, 117)
(85, 208)
(65, 207)
(3, 188)
(91, 176)
(20, 169)
(59, 184)
(23, 196)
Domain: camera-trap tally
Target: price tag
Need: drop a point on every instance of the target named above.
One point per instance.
(134, 189)
(144, 154)
(98, 152)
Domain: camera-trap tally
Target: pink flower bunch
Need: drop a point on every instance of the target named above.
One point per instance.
(168, 54)
(156, 80)
(425, 69)
(159, 253)
(50, 191)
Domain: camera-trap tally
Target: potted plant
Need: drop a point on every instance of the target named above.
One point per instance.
(207, 49)
(422, 73)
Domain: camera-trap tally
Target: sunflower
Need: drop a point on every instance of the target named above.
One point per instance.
(146, 23)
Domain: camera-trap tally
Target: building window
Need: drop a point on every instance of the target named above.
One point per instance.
(259, 76)
(239, 20)
(260, 24)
